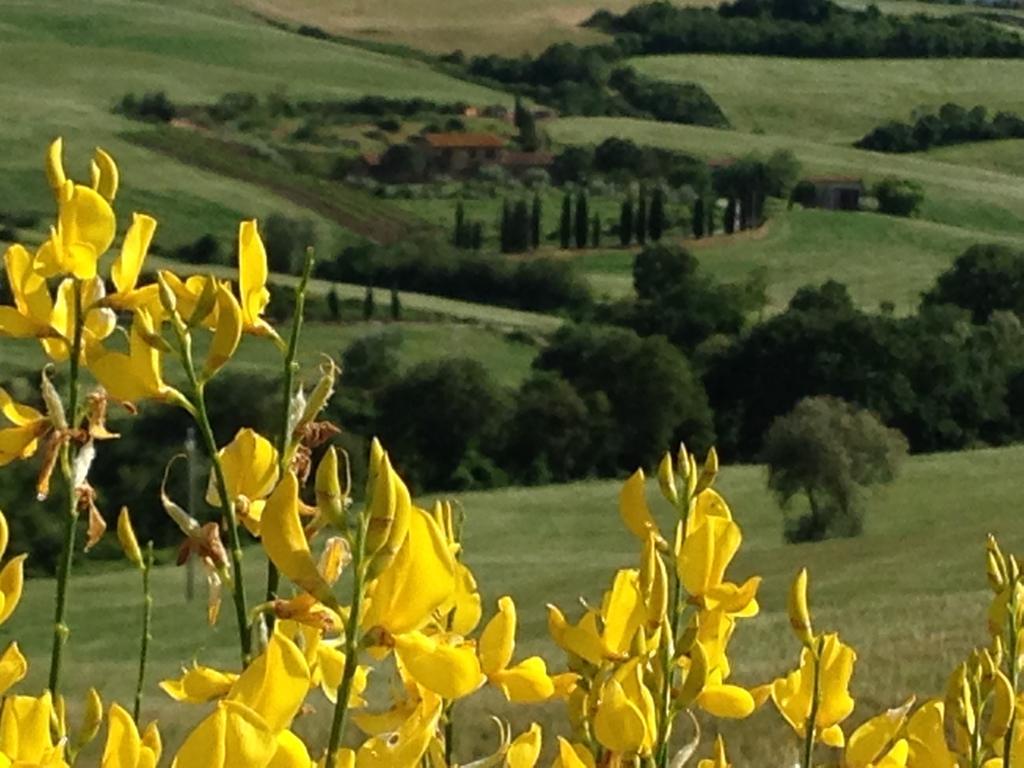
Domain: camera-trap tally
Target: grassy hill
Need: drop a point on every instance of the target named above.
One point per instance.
(910, 604)
(839, 101)
(67, 64)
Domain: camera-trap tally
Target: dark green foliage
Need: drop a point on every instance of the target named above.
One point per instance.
(686, 103)
(369, 304)
(983, 280)
(752, 179)
(640, 224)
(710, 211)
(829, 451)
(656, 218)
(526, 125)
(572, 165)
(804, 194)
(429, 445)
(675, 299)
(582, 219)
(286, 240)
(698, 220)
(624, 160)
(595, 231)
(205, 250)
(334, 304)
(505, 234)
(642, 396)
(536, 222)
(477, 240)
(565, 223)
(626, 222)
(729, 223)
(459, 235)
(425, 265)
(898, 197)
(952, 124)
(396, 305)
(402, 163)
(153, 106)
(371, 362)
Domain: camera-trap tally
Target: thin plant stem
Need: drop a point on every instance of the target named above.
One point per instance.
(230, 517)
(284, 436)
(147, 614)
(352, 640)
(1012, 670)
(812, 718)
(61, 631)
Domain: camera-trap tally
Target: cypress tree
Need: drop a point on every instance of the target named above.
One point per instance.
(710, 228)
(582, 219)
(565, 225)
(477, 230)
(334, 304)
(506, 227)
(656, 226)
(369, 305)
(698, 218)
(396, 304)
(520, 234)
(729, 225)
(536, 221)
(460, 225)
(640, 224)
(595, 232)
(626, 222)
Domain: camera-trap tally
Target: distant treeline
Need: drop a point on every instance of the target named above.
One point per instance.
(802, 28)
(951, 124)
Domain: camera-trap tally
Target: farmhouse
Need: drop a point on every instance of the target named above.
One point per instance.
(458, 152)
(837, 193)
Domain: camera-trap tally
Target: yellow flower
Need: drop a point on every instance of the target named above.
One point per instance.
(252, 280)
(12, 578)
(13, 668)
(527, 681)
(233, 736)
(444, 664)
(326, 661)
(525, 749)
(573, 756)
(626, 720)
(403, 748)
(26, 736)
(793, 694)
(703, 559)
(126, 537)
(127, 267)
(199, 684)
(226, 334)
(21, 440)
(719, 760)
(33, 306)
(634, 510)
(136, 376)
(623, 612)
(714, 630)
(874, 744)
(926, 734)
(125, 748)
(250, 471)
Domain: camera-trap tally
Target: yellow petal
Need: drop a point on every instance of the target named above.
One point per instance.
(87, 228)
(833, 737)
(123, 746)
(525, 749)
(448, 668)
(108, 177)
(25, 728)
(291, 752)
(726, 701)
(618, 723)
(233, 736)
(526, 682)
(252, 275)
(498, 640)
(127, 266)
(12, 578)
(250, 464)
(227, 333)
(405, 747)
(633, 507)
(275, 684)
(572, 756)
(199, 684)
(126, 537)
(55, 165)
(285, 541)
(13, 668)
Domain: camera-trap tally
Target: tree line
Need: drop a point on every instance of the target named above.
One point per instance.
(950, 124)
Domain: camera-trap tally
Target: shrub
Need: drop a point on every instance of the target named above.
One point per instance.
(899, 197)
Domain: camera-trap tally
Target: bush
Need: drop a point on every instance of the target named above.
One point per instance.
(983, 279)
(898, 197)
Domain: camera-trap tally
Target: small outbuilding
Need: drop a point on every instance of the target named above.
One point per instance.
(833, 193)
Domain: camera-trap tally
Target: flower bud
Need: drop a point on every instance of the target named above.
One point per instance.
(205, 303)
(167, 298)
(667, 480)
(54, 405)
(330, 500)
(126, 535)
(91, 720)
(708, 472)
(696, 676)
(321, 392)
(799, 615)
(1002, 706)
(55, 165)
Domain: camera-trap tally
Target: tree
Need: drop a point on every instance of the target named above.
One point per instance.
(431, 445)
(626, 222)
(582, 219)
(565, 225)
(527, 127)
(698, 218)
(710, 210)
(369, 303)
(641, 218)
(829, 451)
(286, 239)
(656, 224)
(729, 225)
(520, 231)
(396, 304)
(459, 236)
(477, 241)
(334, 304)
(595, 231)
(536, 221)
(899, 197)
(506, 227)
(983, 279)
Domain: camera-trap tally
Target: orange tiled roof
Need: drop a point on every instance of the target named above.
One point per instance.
(465, 140)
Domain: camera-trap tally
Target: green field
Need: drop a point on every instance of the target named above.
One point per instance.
(911, 604)
(67, 64)
(1005, 156)
(839, 101)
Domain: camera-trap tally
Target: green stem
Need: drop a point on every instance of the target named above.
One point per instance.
(147, 613)
(230, 517)
(812, 718)
(449, 734)
(61, 631)
(664, 714)
(352, 639)
(1013, 672)
(284, 436)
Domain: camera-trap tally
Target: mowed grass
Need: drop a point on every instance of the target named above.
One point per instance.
(839, 101)
(66, 64)
(909, 594)
(1006, 156)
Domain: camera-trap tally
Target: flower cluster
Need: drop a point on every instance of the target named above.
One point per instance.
(378, 593)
